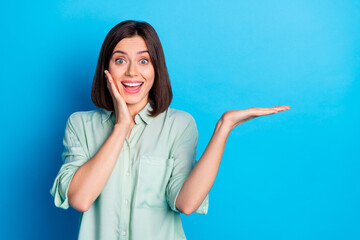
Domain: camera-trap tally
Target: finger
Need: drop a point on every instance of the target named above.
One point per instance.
(287, 107)
(268, 111)
(257, 112)
(119, 90)
(111, 85)
(108, 76)
(272, 110)
(281, 108)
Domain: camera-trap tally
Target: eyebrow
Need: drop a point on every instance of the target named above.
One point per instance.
(122, 52)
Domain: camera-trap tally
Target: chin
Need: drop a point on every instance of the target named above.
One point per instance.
(133, 101)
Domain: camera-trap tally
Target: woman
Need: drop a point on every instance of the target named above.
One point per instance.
(129, 167)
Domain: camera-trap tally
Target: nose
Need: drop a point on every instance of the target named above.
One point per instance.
(131, 69)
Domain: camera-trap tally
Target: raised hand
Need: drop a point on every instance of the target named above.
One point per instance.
(202, 176)
(122, 114)
(233, 118)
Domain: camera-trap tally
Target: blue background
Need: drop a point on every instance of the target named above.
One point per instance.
(292, 175)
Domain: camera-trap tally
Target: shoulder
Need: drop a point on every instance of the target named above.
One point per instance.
(180, 117)
(182, 128)
(181, 122)
(79, 118)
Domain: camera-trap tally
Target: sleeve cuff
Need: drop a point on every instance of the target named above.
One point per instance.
(60, 191)
(204, 207)
(173, 201)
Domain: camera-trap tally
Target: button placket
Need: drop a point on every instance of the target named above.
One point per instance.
(125, 199)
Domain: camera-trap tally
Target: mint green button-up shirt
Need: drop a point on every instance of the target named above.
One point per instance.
(138, 200)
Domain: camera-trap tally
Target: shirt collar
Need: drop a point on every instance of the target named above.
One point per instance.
(143, 115)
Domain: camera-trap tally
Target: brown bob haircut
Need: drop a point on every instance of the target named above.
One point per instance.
(160, 94)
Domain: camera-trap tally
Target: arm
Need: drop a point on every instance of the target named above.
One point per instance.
(202, 176)
(90, 179)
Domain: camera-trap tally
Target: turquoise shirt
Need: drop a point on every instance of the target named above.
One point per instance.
(138, 200)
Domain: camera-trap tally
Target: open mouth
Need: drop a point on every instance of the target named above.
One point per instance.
(133, 87)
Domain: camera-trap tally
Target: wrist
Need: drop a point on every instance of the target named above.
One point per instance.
(121, 127)
(223, 126)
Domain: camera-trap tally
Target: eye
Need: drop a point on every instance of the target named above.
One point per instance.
(144, 61)
(120, 61)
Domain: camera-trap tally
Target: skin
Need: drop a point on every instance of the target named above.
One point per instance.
(91, 177)
(202, 177)
(129, 62)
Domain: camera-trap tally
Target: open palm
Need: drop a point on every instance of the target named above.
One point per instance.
(235, 117)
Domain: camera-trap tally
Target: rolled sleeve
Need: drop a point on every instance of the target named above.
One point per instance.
(73, 156)
(184, 154)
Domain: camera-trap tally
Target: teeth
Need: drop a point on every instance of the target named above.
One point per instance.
(132, 84)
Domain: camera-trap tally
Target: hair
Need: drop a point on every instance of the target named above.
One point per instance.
(160, 94)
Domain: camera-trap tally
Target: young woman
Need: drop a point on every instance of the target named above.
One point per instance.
(129, 167)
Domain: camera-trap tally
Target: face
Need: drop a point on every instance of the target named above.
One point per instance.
(132, 71)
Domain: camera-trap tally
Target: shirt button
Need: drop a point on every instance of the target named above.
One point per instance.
(123, 233)
(126, 202)
(127, 174)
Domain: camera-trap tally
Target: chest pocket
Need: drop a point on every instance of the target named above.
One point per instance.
(153, 176)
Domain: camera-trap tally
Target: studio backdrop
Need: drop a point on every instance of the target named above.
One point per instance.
(291, 175)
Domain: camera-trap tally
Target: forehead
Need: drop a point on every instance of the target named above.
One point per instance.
(132, 44)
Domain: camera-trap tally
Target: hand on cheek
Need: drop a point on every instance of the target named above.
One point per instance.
(118, 85)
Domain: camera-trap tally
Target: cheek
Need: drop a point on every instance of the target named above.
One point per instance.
(149, 74)
(111, 66)
(115, 72)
